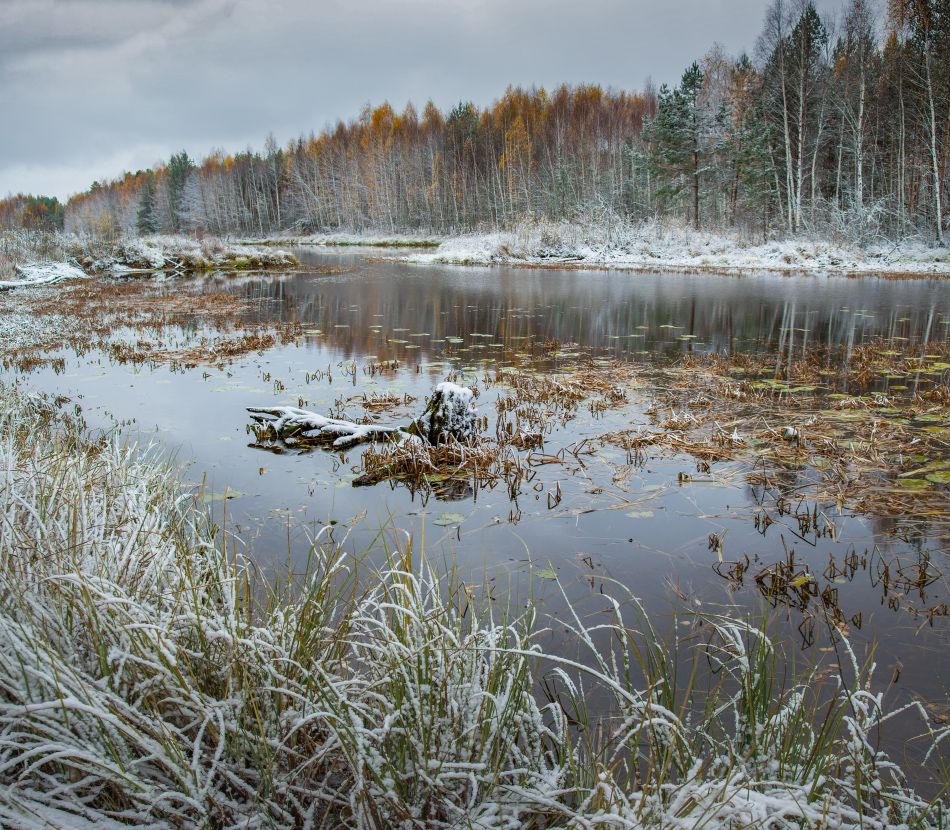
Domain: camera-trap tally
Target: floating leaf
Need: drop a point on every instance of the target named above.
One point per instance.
(229, 493)
(546, 573)
(449, 519)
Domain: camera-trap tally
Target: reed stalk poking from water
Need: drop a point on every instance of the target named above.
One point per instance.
(145, 682)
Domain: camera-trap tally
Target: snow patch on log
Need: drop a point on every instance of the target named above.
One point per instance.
(300, 427)
(449, 416)
(42, 273)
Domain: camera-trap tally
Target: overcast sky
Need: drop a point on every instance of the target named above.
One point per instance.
(90, 88)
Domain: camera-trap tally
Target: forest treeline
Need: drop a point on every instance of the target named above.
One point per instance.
(833, 126)
(32, 213)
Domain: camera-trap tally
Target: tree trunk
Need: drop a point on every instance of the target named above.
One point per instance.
(935, 166)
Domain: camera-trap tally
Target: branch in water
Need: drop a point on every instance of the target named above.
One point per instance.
(449, 414)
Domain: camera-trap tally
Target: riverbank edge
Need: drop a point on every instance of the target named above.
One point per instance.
(649, 247)
(49, 258)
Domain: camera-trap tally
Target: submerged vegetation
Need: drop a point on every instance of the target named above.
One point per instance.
(149, 676)
(813, 429)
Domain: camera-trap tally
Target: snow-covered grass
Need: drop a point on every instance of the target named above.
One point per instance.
(149, 677)
(19, 249)
(672, 246)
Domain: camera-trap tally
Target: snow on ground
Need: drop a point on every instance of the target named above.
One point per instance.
(42, 273)
(654, 246)
(24, 330)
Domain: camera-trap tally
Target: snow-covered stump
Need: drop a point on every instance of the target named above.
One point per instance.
(449, 416)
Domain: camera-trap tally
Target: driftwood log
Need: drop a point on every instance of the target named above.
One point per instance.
(449, 415)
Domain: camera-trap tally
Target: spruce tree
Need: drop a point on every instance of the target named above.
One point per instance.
(679, 134)
(145, 219)
(179, 168)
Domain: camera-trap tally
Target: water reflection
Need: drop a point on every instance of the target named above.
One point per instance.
(645, 528)
(371, 309)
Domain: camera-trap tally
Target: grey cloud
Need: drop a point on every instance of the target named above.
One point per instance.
(89, 82)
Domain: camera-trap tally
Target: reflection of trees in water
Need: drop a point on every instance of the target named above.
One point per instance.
(785, 316)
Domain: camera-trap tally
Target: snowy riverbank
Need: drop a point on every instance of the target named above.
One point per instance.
(663, 247)
(174, 253)
(146, 684)
(32, 259)
(41, 273)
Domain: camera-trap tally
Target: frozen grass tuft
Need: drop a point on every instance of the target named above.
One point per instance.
(149, 678)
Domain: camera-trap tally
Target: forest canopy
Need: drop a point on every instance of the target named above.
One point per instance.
(833, 126)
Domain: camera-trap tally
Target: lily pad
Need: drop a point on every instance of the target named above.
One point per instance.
(939, 477)
(449, 519)
(208, 497)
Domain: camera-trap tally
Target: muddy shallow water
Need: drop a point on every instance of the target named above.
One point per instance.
(359, 326)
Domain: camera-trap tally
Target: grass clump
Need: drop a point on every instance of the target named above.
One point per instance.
(149, 677)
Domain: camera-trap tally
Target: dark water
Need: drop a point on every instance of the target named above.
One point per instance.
(645, 530)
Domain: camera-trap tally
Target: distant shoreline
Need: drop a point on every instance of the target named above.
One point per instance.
(646, 248)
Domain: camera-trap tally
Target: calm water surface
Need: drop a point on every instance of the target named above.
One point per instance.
(643, 529)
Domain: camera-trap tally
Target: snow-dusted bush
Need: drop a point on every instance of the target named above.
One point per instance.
(148, 678)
